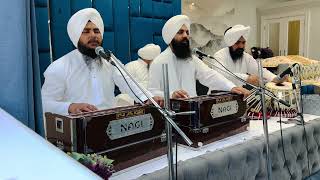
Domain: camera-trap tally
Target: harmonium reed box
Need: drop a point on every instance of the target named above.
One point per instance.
(217, 116)
(129, 135)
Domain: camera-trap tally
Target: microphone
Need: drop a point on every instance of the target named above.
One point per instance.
(284, 103)
(105, 55)
(200, 53)
(256, 52)
(286, 71)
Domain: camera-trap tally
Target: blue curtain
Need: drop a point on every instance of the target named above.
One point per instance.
(19, 64)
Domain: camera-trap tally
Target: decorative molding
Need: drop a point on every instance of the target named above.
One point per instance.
(287, 6)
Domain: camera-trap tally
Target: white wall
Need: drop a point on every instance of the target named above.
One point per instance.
(314, 33)
(312, 9)
(218, 15)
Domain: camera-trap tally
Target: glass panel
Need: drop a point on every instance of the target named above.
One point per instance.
(274, 33)
(293, 37)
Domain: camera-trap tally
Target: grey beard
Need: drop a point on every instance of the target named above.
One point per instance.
(88, 60)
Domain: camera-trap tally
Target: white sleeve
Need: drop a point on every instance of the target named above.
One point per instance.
(124, 88)
(155, 84)
(53, 91)
(250, 63)
(211, 78)
(242, 76)
(253, 69)
(220, 58)
(131, 69)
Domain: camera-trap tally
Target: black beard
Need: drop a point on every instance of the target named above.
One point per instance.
(181, 49)
(88, 60)
(89, 55)
(87, 51)
(236, 54)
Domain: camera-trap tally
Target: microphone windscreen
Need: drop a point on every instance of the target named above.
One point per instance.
(194, 50)
(98, 50)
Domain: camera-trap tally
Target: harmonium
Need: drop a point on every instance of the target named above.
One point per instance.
(128, 135)
(218, 115)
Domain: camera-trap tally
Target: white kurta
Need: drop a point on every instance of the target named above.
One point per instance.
(242, 68)
(69, 80)
(183, 75)
(139, 70)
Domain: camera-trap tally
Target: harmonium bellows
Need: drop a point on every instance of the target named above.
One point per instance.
(217, 116)
(129, 135)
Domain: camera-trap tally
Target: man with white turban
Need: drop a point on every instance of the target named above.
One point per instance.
(238, 61)
(139, 69)
(183, 68)
(81, 81)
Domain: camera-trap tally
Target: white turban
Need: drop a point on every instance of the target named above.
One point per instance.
(173, 25)
(79, 21)
(149, 51)
(235, 33)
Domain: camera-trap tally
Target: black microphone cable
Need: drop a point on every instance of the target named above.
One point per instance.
(235, 76)
(304, 133)
(302, 119)
(151, 106)
(109, 59)
(141, 102)
(284, 154)
(148, 105)
(112, 63)
(300, 114)
(285, 159)
(107, 56)
(226, 69)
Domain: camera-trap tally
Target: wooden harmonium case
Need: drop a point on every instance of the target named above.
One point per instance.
(129, 135)
(217, 116)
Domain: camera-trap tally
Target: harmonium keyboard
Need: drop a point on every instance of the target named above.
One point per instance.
(218, 115)
(129, 135)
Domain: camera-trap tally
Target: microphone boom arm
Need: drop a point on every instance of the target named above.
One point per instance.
(238, 78)
(165, 114)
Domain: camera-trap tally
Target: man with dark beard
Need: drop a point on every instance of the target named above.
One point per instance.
(183, 68)
(81, 81)
(238, 61)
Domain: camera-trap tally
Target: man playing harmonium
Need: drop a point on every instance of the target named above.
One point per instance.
(81, 81)
(183, 68)
(235, 59)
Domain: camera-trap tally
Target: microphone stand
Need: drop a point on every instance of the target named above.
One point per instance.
(264, 118)
(166, 113)
(172, 169)
(261, 91)
(257, 89)
(298, 99)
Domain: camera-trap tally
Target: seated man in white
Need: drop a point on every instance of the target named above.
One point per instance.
(139, 69)
(184, 68)
(235, 59)
(81, 81)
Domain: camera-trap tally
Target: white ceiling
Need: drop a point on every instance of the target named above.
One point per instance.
(216, 3)
(219, 7)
